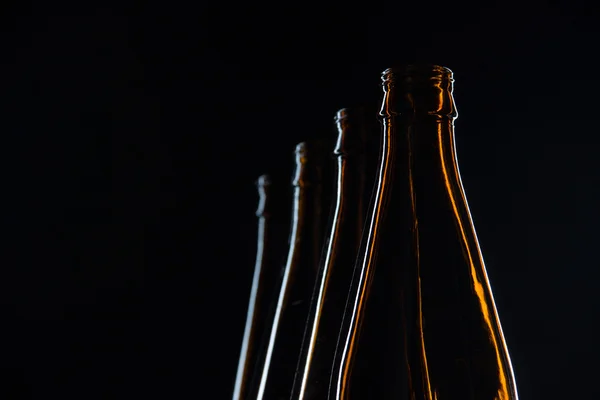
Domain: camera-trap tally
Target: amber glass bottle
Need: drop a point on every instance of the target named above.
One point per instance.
(269, 254)
(311, 204)
(420, 321)
(356, 128)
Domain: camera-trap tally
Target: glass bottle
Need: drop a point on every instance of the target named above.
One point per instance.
(266, 272)
(353, 176)
(311, 203)
(420, 321)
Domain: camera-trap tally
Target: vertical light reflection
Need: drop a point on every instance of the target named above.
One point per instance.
(282, 294)
(326, 273)
(366, 269)
(424, 364)
(504, 386)
(242, 370)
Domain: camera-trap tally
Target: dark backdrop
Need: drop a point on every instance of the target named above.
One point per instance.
(132, 136)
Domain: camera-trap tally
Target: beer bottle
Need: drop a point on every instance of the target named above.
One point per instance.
(266, 271)
(354, 178)
(420, 321)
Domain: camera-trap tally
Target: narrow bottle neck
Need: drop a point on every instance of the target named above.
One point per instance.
(311, 198)
(419, 156)
(309, 220)
(417, 114)
(312, 163)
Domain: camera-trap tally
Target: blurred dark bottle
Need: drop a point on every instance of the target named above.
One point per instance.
(420, 322)
(355, 168)
(311, 204)
(270, 250)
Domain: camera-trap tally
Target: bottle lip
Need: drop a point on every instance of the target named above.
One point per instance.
(359, 111)
(351, 131)
(263, 180)
(300, 148)
(426, 71)
(311, 159)
(315, 149)
(262, 183)
(341, 114)
(300, 153)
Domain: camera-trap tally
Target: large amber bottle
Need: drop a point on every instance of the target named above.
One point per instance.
(356, 129)
(312, 185)
(420, 322)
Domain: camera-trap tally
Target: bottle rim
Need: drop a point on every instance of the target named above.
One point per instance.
(350, 142)
(427, 71)
(263, 180)
(341, 114)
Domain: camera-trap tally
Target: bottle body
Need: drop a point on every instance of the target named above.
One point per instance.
(421, 322)
(310, 210)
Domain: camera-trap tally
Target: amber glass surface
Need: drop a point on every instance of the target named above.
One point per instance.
(420, 322)
(269, 253)
(354, 177)
(311, 203)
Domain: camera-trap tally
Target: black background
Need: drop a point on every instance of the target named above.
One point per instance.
(132, 136)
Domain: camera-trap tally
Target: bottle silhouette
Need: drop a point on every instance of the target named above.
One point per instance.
(271, 227)
(420, 321)
(354, 178)
(311, 202)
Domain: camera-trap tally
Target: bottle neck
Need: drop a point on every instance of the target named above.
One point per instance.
(422, 148)
(312, 195)
(308, 221)
(417, 114)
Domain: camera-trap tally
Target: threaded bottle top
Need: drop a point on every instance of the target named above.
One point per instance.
(263, 180)
(312, 158)
(262, 183)
(418, 90)
(417, 73)
(352, 131)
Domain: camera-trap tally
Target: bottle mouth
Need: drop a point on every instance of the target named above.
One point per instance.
(263, 180)
(311, 158)
(352, 129)
(300, 152)
(423, 72)
(341, 115)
